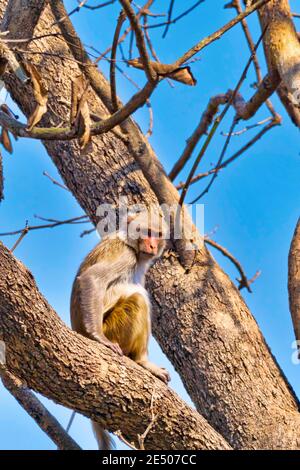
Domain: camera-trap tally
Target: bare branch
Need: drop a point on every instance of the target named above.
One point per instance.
(201, 129)
(168, 22)
(54, 223)
(57, 183)
(37, 411)
(217, 122)
(219, 162)
(213, 37)
(112, 74)
(140, 40)
(237, 5)
(250, 143)
(243, 281)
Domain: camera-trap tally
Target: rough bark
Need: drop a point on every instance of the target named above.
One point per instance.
(89, 378)
(1, 179)
(200, 319)
(282, 50)
(294, 281)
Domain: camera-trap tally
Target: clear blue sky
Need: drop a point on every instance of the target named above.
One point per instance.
(254, 202)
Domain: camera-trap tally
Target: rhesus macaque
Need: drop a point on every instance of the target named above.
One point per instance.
(109, 303)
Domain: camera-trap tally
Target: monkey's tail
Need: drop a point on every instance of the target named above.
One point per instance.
(105, 442)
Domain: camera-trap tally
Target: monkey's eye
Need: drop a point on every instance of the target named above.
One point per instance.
(160, 234)
(149, 232)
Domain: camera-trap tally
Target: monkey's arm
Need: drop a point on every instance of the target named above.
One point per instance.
(93, 284)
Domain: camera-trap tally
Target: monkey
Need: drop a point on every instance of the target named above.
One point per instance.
(109, 303)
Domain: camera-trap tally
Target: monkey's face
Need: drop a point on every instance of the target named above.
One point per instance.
(146, 234)
(152, 244)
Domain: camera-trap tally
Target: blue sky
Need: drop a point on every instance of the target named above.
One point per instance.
(254, 202)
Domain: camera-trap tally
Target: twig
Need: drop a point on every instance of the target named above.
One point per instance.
(71, 421)
(152, 50)
(56, 223)
(82, 4)
(87, 232)
(217, 34)
(23, 234)
(140, 40)
(245, 147)
(234, 122)
(127, 30)
(177, 18)
(201, 129)
(122, 438)
(243, 281)
(237, 5)
(217, 123)
(170, 11)
(97, 7)
(142, 437)
(112, 74)
(37, 411)
(249, 127)
(57, 183)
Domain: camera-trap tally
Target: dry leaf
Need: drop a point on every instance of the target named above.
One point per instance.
(181, 74)
(5, 140)
(80, 113)
(40, 95)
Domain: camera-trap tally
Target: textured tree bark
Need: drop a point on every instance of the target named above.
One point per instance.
(282, 51)
(1, 179)
(89, 378)
(294, 281)
(200, 319)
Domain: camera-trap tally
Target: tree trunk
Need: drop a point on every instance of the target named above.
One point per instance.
(200, 319)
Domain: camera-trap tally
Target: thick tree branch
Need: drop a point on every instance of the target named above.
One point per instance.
(89, 378)
(1, 180)
(37, 411)
(282, 50)
(294, 281)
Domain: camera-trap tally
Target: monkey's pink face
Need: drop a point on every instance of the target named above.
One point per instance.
(152, 245)
(146, 233)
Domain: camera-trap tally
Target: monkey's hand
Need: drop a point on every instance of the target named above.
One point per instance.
(109, 344)
(159, 372)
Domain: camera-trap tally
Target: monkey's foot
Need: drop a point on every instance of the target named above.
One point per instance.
(159, 372)
(109, 344)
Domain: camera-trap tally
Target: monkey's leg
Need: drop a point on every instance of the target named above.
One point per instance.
(129, 325)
